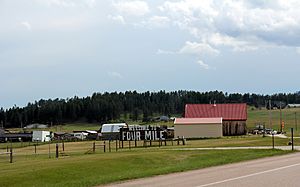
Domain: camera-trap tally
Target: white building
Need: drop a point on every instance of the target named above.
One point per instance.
(41, 136)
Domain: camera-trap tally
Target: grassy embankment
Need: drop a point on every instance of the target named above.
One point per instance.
(100, 168)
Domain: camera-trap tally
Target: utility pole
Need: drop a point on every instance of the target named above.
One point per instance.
(280, 117)
(296, 121)
(270, 115)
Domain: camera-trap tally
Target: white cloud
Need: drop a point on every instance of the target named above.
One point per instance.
(114, 74)
(203, 65)
(237, 43)
(135, 8)
(90, 3)
(158, 21)
(241, 25)
(68, 3)
(198, 49)
(298, 50)
(27, 25)
(164, 52)
(61, 3)
(118, 19)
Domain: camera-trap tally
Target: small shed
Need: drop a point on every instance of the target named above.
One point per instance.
(41, 136)
(198, 127)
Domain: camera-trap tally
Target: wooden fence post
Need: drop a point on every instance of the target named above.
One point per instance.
(63, 145)
(10, 155)
(135, 143)
(56, 150)
(49, 152)
(94, 147)
(104, 146)
(116, 145)
(109, 148)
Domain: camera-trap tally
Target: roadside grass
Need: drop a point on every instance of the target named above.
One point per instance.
(240, 141)
(102, 168)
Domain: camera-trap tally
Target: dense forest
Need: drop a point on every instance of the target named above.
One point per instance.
(104, 107)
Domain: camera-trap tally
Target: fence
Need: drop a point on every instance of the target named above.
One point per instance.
(62, 149)
(8, 152)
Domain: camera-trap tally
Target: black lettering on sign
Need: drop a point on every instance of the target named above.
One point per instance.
(142, 133)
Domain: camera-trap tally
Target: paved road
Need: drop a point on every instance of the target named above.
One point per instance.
(273, 171)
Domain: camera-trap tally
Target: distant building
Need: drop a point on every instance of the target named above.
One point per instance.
(234, 116)
(293, 106)
(36, 126)
(277, 105)
(5, 136)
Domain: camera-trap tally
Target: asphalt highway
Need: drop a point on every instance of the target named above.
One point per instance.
(272, 171)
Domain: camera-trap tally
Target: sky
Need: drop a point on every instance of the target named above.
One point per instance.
(63, 48)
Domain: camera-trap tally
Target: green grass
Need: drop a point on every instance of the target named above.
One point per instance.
(240, 141)
(233, 141)
(95, 169)
(262, 116)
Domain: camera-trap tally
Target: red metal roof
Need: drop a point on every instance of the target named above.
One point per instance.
(179, 121)
(228, 112)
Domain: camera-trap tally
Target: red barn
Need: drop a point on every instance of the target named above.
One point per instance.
(234, 115)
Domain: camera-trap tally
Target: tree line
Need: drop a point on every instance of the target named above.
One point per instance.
(129, 105)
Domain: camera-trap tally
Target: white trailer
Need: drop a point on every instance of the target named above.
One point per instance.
(111, 131)
(112, 127)
(41, 136)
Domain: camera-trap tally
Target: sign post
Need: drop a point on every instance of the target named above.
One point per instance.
(273, 145)
(49, 153)
(292, 132)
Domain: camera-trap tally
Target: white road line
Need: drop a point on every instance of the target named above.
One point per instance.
(250, 175)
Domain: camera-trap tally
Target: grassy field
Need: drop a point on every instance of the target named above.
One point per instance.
(262, 116)
(100, 168)
(77, 167)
